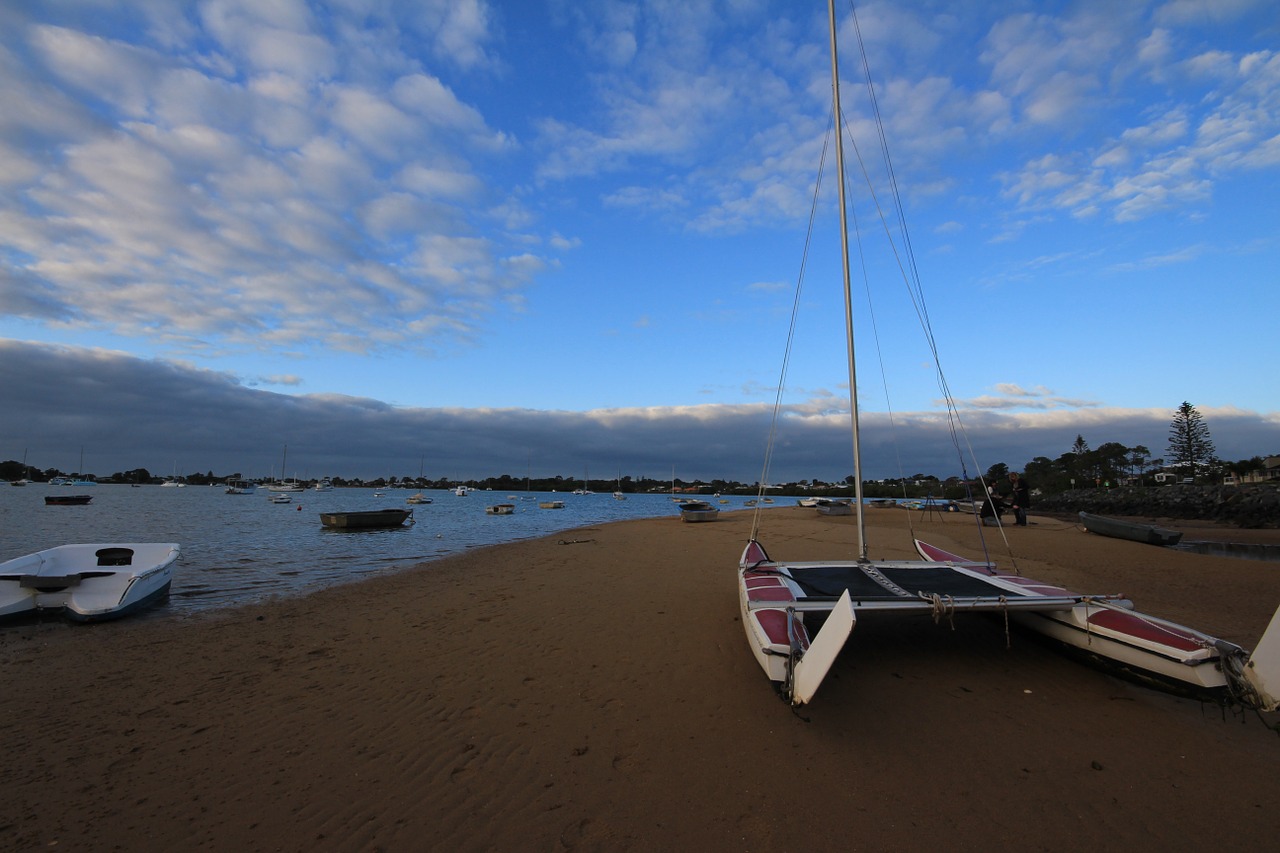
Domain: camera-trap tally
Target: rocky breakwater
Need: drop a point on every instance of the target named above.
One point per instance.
(1253, 506)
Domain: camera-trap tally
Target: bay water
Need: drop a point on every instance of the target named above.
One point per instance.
(237, 549)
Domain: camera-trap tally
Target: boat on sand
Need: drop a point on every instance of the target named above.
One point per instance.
(1136, 531)
(798, 616)
(827, 506)
(1109, 632)
(88, 582)
(695, 511)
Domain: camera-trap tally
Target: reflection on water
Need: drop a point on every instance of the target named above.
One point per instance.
(1243, 550)
(242, 548)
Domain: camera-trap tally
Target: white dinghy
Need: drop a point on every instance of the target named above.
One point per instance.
(88, 583)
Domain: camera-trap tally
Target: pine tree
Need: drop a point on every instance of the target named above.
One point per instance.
(1189, 441)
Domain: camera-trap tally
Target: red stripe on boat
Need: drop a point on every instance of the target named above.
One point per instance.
(774, 593)
(754, 581)
(1136, 626)
(774, 623)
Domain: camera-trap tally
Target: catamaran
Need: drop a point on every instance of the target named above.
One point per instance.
(781, 599)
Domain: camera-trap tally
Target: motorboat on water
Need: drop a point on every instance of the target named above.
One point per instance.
(417, 498)
(241, 487)
(67, 500)
(325, 485)
(500, 509)
(90, 582)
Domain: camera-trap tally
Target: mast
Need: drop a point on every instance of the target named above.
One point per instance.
(848, 291)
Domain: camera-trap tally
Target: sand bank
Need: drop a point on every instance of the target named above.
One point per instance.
(593, 691)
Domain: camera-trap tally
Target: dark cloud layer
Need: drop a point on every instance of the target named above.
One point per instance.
(126, 412)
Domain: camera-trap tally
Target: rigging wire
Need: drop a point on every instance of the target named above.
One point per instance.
(908, 268)
(791, 334)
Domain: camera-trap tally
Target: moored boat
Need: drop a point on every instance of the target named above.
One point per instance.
(500, 509)
(241, 487)
(88, 582)
(1135, 531)
(551, 504)
(366, 519)
(67, 500)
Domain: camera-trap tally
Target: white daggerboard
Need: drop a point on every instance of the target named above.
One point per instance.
(823, 651)
(1263, 668)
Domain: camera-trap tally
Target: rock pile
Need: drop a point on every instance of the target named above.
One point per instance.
(1252, 506)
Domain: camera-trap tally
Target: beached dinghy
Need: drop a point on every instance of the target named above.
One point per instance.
(1136, 531)
(695, 511)
(89, 583)
(1109, 631)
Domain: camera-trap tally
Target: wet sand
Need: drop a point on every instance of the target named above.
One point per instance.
(594, 691)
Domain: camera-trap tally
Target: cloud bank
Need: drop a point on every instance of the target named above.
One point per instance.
(127, 412)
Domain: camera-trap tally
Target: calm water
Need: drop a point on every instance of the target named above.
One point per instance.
(241, 548)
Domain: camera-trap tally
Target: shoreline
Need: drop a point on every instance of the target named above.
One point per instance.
(599, 695)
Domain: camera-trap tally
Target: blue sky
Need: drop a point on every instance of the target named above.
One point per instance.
(570, 231)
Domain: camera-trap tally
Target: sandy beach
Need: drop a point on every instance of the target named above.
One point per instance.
(594, 691)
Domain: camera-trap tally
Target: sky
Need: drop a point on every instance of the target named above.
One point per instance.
(554, 237)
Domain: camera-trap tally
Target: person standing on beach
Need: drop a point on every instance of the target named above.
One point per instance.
(1020, 498)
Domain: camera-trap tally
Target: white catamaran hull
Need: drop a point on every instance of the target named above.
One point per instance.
(1148, 647)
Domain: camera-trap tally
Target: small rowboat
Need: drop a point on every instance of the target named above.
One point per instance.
(366, 519)
(1132, 530)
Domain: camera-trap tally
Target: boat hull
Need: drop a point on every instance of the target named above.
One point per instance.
(1143, 648)
(90, 582)
(1116, 528)
(67, 500)
(698, 511)
(365, 520)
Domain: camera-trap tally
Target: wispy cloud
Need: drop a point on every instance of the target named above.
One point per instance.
(233, 188)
